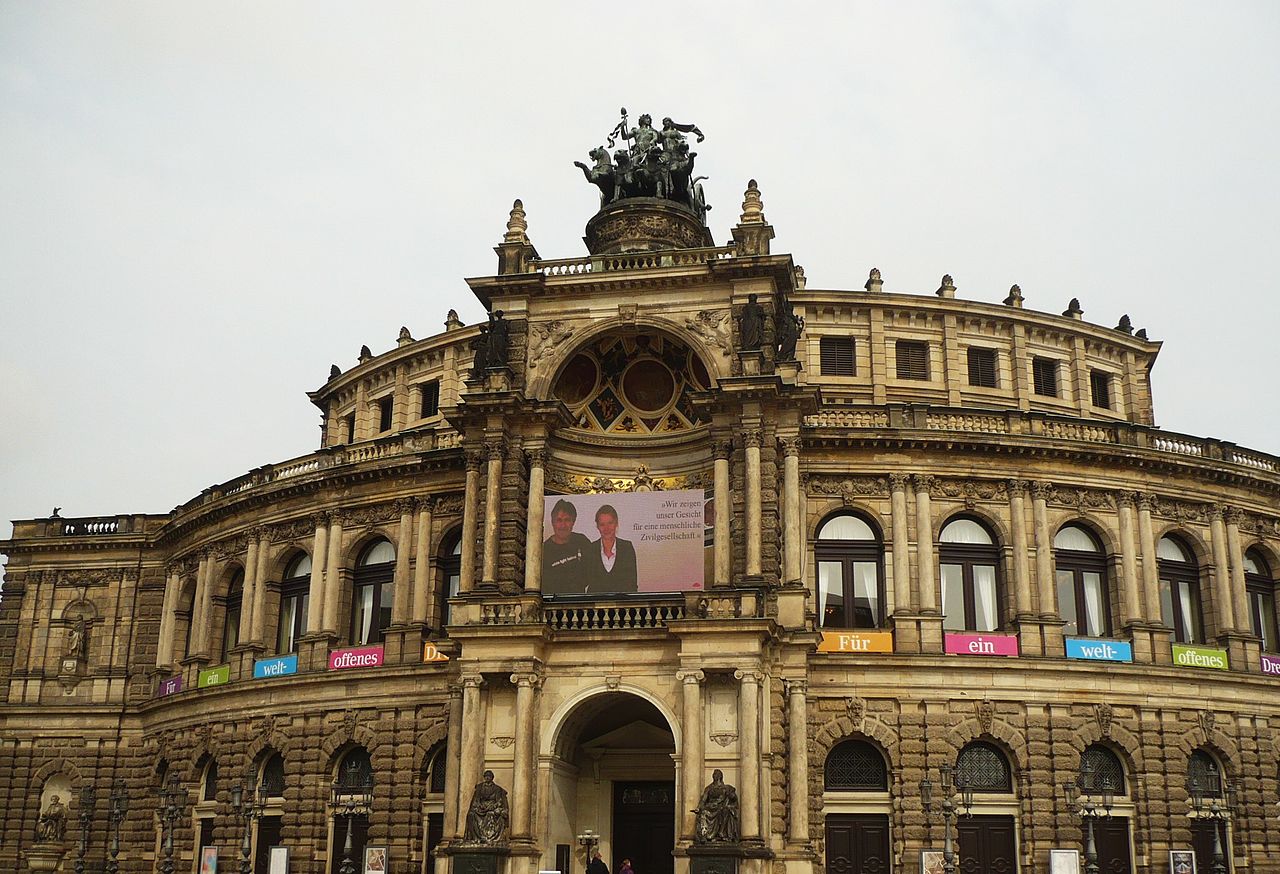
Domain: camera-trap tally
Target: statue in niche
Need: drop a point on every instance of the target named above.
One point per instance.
(790, 327)
(488, 814)
(499, 340)
(480, 345)
(751, 325)
(76, 648)
(52, 825)
(717, 812)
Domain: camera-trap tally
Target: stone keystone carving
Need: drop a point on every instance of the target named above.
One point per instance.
(717, 813)
(1103, 713)
(488, 814)
(986, 715)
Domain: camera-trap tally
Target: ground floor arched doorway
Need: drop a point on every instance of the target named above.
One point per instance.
(612, 774)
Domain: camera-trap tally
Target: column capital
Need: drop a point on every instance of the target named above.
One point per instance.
(528, 679)
(898, 482)
(721, 448)
(691, 677)
(494, 450)
(474, 457)
(320, 519)
(752, 438)
(796, 685)
(455, 691)
(923, 482)
(755, 677)
(471, 681)
(1126, 498)
(1017, 487)
(790, 446)
(515, 452)
(1040, 490)
(173, 569)
(1214, 512)
(259, 532)
(1232, 515)
(1144, 501)
(537, 457)
(405, 506)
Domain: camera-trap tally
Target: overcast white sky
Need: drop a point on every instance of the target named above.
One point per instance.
(204, 205)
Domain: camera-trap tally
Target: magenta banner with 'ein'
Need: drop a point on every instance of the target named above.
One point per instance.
(982, 644)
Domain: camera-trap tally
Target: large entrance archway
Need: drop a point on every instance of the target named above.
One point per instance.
(611, 773)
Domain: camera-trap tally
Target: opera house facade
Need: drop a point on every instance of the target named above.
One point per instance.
(918, 576)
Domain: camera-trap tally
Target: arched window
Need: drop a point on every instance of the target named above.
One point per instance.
(449, 563)
(231, 624)
(433, 804)
(1179, 590)
(982, 767)
(355, 769)
(295, 596)
(209, 781)
(1204, 774)
(273, 775)
(372, 593)
(1261, 587)
(1081, 571)
(856, 766)
(970, 583)
(1101, 771)
(850, 582)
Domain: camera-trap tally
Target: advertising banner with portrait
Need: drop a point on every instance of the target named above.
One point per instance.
(623, 543)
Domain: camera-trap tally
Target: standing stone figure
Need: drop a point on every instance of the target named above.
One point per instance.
(789, 327)
(751, 326)
(480, 345)
(488, 814)
(75, 641)
(499, 339)
(717, 812)
(52, 826)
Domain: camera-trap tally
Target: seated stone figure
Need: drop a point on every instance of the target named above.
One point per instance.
(488, 814)
(717, 812)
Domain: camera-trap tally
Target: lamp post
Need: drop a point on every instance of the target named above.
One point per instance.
(248, 802)
(1082, 798)
(87, 800)
(351, 797)
(119, 808)
(587, 840)
(1208, 802)
(172, 797)
(949, 783)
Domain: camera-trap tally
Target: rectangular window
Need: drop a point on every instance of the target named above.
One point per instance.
(953, 597)
(430, 398)
(837, 356)
(1100, 388)
(1044, 373)
(1262, 615)
(384, 414)
(351, 428)
(982, 367)
(913, 359)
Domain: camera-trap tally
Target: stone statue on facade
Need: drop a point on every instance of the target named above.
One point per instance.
(480, 346)
(790, 326)
(488, 814)
(717, 812)
(653, 164)
(75, 641)
(499, 340)
(751, 325)
(52, 825)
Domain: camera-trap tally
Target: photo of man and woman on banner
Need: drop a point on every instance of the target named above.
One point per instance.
(627, 542)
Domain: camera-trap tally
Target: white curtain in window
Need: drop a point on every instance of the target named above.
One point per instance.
(830, 588)
(1188, 611)
(1067, 601)
(984, 598)
(1093, 624)
(866, 588)
(952, 597)
(364, 614)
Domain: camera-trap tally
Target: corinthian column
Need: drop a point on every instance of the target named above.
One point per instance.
(257, 634)
(1018, 543)
(1239, 595)
(1221, 571)
(422, 563)
(751, 439)
(249, 589)
(203, 608)
(749, 752)
(902, 602)
(401, 596)
(453, 750)
(492, 509)
(472, 752)
(522, 783)
(1044, 549)
(470, 497)
(928, 591)
(1132, 608)
(724, 508)
(533, 521)
(793, 539)
(319, 551)
(1150, 568)
(172, 586)
(798, 759)
(691, 758)
(333, 574)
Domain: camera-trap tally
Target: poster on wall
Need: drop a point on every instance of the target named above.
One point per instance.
(1182, 861)
(1064, 862)
(375, 860)
(625, 542)
(932, 862)
(278, 860)
(209, 860)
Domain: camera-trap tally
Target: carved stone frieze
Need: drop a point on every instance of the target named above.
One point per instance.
(545, 338)
(972, 490)
(578, 484)
(376, 514)
(447, 505)
(284, 532)
(724, 738)
(1082, 499)
(849, 488)
(712, 327)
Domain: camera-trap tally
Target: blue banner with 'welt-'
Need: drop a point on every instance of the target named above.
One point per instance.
(275, 667)
(1094, 649)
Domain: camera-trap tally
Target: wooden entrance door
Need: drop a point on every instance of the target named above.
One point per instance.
(1202, 843)
(858, 843)
(1111, 836)
(986, 845)
(644, 826)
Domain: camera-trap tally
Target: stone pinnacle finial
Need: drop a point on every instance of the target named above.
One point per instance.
(1015, 297)
(451, 321)
(1126, 324)
(365, 354)
(874, 282)
(405, 338)
(947, 288)
(752, 206)
(516, 225)
(334, 371)
(1142, 334)
(800, 278)
(1073, 310)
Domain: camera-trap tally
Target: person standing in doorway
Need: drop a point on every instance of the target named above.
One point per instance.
(597, 865)
(626, 867)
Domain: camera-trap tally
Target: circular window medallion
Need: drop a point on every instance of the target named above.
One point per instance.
(648, 386)
(577, 381)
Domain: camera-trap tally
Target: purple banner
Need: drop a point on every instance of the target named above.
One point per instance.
(169, 686)
(1271, 665)
(982, 644)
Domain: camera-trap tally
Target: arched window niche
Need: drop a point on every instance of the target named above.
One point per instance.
(969, 566)
(1080, 569)
(372, 592)
(1179, 573)
(850, 562)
